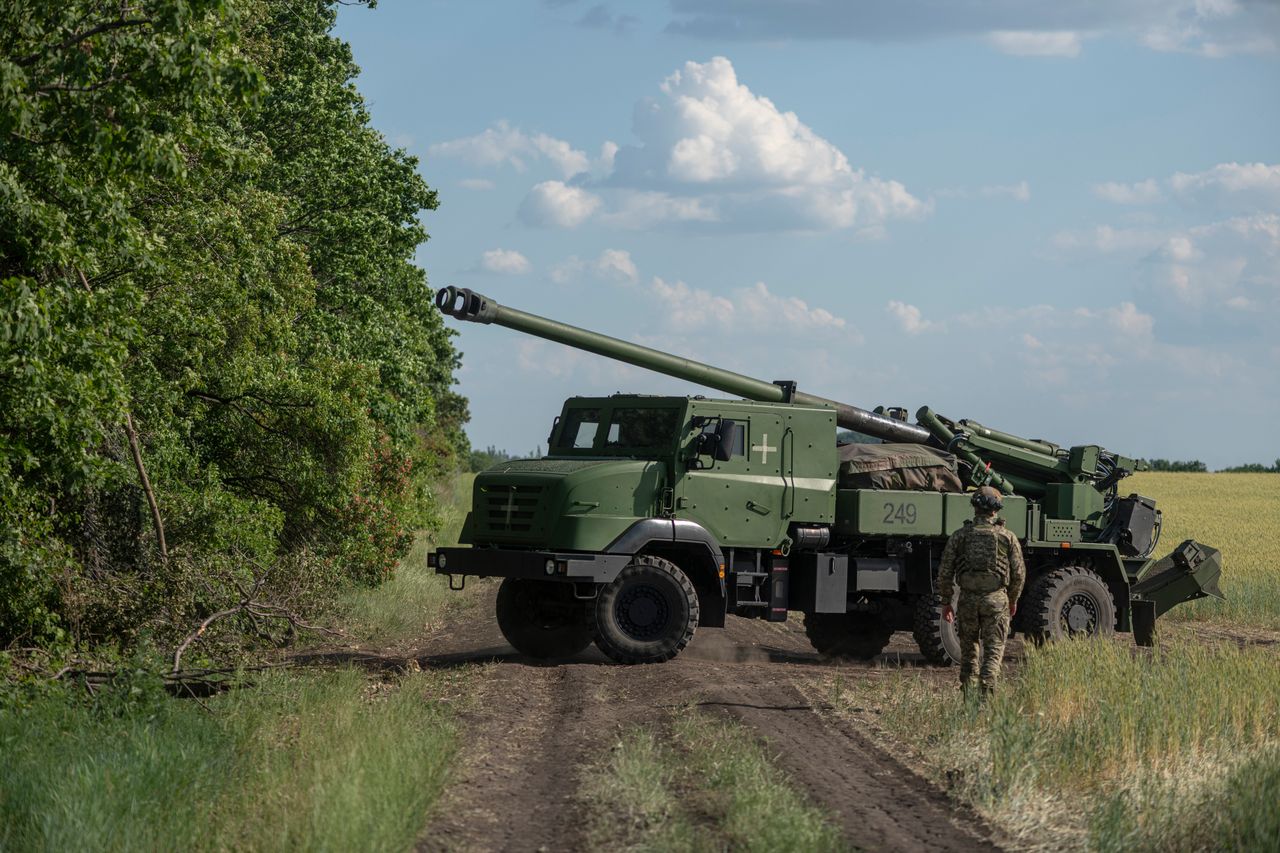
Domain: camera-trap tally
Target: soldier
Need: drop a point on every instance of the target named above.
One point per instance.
(984, 559)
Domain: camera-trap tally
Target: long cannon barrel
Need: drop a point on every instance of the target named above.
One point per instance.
(464, 304)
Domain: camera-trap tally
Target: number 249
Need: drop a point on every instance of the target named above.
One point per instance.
(900, 514)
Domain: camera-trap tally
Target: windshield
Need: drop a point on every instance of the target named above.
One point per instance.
(642, 428)
(626, 428)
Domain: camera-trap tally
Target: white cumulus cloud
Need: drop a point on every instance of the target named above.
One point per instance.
(612, 265)
(503, 144)
(1036, 42)
(753, 308)
(504, 262)
(712, 151)
(555, 204)
(1245, 186)
(1021, 191)
(1143, 192)
(764, 309)
(909, 317)
(691, 307)
(1242, 183)
(638, 209)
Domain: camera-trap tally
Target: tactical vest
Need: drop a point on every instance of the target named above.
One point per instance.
(984, 560)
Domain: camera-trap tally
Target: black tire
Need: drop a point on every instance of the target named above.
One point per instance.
(855, 636)
(647, 614)
(937, 640)
(542, 619)
(1069, 601)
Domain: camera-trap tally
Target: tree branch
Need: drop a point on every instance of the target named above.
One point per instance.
(156, 520)
(87, 34)
(136, 450)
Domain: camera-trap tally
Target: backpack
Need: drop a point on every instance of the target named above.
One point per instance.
(988, 576)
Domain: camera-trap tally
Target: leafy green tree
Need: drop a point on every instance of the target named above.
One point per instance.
(217, 359)
(1193, 466)
(1254, 468)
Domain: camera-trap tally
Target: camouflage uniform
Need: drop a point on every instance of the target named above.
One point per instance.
(984, 559)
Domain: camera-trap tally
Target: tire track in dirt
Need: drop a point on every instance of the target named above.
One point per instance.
(532, 729)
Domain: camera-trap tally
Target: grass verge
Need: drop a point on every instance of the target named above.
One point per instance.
(307, 761)
(702, 784)
(310, 760)
(1092, 746)
(416, 600)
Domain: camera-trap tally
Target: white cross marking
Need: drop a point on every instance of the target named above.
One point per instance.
(764, 449)
(511, 504)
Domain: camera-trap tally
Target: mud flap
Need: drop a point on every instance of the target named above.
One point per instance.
(1189, 572)
(1144, 621)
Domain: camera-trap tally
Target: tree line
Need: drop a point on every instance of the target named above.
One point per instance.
(221, 372)
(1195, 466)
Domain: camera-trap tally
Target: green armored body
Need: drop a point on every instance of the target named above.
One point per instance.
(652, 517)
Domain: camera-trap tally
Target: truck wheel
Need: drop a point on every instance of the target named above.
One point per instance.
(542, 619)
(938, 641)
(647, 615)
(857, 636)
(1069, 601)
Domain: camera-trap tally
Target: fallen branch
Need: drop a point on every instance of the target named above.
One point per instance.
(256, 611)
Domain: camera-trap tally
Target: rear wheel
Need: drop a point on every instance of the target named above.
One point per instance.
(542, 619)
(647, 614)
(857, 636)
(937, 638)
(1069, 601)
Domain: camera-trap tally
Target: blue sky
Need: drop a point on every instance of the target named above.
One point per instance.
(1060, 219)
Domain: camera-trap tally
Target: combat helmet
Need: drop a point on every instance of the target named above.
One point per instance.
(987, 499)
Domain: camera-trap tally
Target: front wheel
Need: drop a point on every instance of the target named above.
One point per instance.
(542, 619)
(1069, 601)
(647, 614)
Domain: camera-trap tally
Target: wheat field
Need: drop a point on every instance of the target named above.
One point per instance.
(1097, 745)
(1239, 514)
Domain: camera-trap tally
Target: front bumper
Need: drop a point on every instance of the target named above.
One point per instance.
(504, 563)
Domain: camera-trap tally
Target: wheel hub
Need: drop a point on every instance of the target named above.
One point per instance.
(642, 612)
(1080, 614)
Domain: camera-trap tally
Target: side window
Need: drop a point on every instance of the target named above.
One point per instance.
(733, 434)
(579, 429)
(735, 438)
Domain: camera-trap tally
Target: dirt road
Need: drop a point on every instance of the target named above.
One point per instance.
(533, 727)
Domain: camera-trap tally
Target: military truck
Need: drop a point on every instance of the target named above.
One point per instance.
(653, 516)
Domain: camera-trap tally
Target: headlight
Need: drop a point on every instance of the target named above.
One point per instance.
(550, 567)
(440, 561)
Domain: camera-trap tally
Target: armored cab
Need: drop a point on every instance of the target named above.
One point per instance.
(652, 516)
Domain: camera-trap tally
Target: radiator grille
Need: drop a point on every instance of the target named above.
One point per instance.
(510, 509)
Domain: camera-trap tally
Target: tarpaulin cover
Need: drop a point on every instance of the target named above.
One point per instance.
(913, 467)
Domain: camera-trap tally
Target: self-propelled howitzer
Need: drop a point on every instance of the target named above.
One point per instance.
(651, 516)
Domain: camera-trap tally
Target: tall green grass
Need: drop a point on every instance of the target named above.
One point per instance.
(1092, 745)
(705, 786)
(416, 600)
(1239, 514)
(316, 761)
(303, 760)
